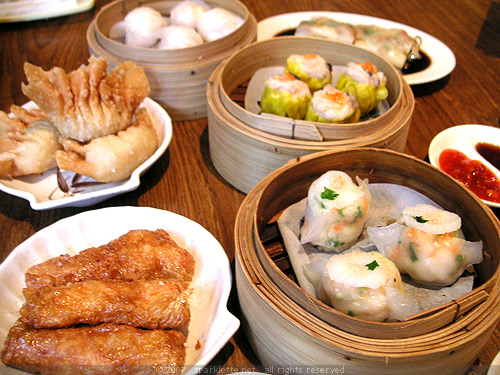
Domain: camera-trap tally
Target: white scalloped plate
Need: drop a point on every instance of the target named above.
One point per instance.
(464, 138)
(442, 58)
(42, 191)
(211, 326)
(30, 10)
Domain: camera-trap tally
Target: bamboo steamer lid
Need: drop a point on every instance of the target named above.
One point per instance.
(246, 147)
(443, 341)
(178, 78)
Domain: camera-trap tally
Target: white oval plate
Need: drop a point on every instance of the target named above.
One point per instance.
(464, 138)
(30, 10)
(211, 325)
(442, 58)
(495, 366)
(42, 191)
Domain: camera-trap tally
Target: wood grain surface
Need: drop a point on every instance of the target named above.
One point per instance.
(184, 180)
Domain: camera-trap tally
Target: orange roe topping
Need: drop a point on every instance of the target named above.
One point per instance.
(286, 77)
(310, 56)
(368, 67)
(337, 97)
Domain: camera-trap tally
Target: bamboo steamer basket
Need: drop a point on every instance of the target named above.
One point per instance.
(245, 147)
(178, 78)
(285, 325)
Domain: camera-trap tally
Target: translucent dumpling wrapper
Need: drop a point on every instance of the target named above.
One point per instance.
(310, 68)
(366, 83)
(324, 27)
(394, 44)
(425, 244)
(365, 285)
(217, 22)
(187, 12)
(138, 27)
(330, 105)
(336, 212)
(285, 95)
(176, 37)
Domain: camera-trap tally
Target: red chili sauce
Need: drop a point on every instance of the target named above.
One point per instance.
(474, 174)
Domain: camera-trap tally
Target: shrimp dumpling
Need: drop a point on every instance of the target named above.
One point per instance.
(336, 212)
(176, 37)
(217, 22)
(187, 12)
(138, 27)
(425, 244)
(365, 285)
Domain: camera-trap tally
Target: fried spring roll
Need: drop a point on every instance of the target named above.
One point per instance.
(105, 349)
(138, 254)
(152, 304)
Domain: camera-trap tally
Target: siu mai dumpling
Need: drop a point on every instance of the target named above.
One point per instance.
(425, 244)
(366, 83)
(330, 105)
(285, 95)
(336, 212)
(310, 68)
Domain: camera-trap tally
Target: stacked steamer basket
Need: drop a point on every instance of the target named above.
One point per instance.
(178, 77)
(246, 146)
(288, 327)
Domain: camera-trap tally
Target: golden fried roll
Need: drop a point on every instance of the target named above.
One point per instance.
(88, 102)
(28, 143)
(96, 350)
(151, 304)
(113, 157)
(138, 254)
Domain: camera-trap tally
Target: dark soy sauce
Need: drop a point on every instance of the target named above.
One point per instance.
(490, 152)
(417, 65)
(414, 66)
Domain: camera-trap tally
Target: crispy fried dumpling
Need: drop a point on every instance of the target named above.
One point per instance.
(113, 157)
(28, 143)
(88, 102)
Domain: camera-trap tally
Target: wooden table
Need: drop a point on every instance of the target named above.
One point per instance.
(189, 184)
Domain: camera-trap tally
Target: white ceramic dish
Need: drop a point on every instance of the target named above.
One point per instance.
(442, 58)
(464, 138)
(211, 326)
(495, 366)
(30, 10)
(42, 190)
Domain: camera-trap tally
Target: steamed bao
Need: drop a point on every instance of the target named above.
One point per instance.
(357, 239)
(191, 23)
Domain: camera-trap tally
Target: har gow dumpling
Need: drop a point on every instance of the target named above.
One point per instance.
(187, 12)
(217, 22)
(365, 285)
(424, 244)
(138, 27)
(336, 212)
(175, 37)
